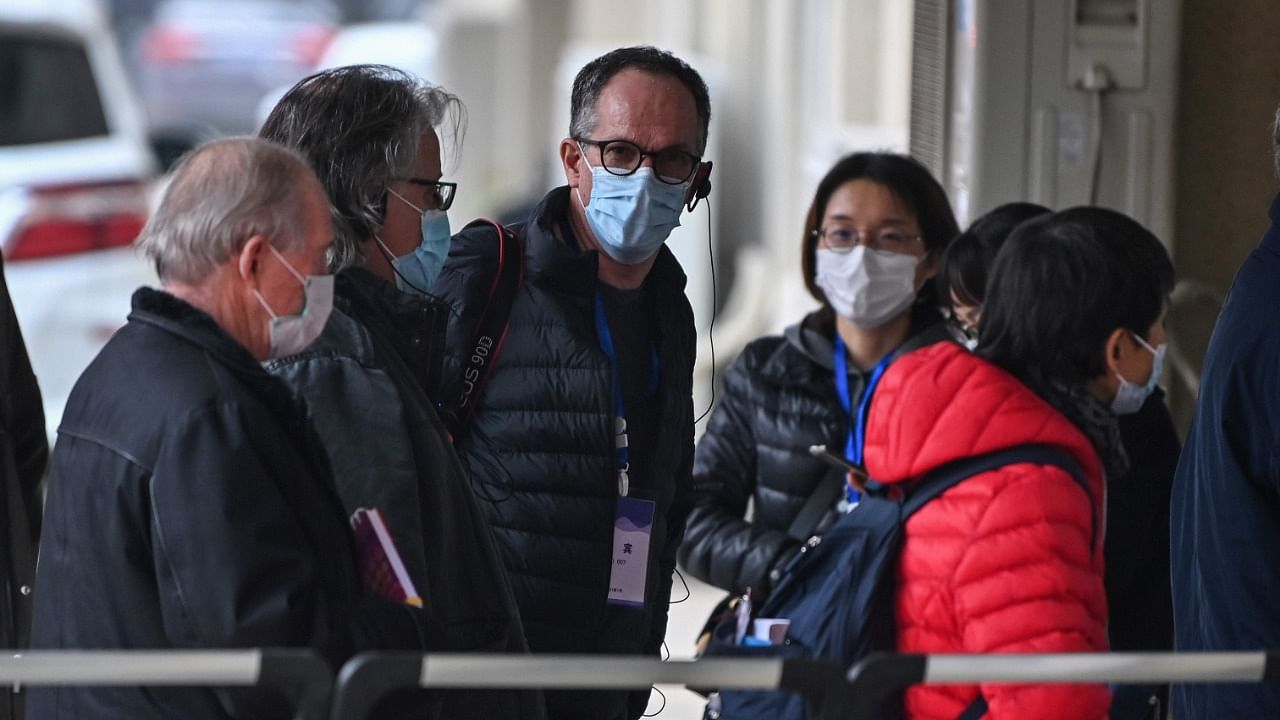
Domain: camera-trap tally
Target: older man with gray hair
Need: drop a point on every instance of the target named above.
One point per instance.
(189, 504)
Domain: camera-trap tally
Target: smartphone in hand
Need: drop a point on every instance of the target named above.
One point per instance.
(857, 476)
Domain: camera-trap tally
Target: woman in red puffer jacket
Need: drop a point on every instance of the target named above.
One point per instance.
(1010, 560)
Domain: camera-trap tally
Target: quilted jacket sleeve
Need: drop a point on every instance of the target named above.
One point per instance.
(721, 547)
(1030, 580)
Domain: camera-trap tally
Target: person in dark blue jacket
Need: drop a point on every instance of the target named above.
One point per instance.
(1226, 495)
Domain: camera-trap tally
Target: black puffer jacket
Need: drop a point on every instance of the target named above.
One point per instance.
(540, 446)
(190, 506)
(1139, 590)
(779, 398)
(390, 450)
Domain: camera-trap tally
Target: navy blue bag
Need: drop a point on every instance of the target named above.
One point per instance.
(838, 592)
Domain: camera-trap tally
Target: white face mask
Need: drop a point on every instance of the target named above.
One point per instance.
(867, 287)
(291, 334)
(1130, 396)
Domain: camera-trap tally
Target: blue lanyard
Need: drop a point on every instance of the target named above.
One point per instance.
(857, 422)
(622, 452)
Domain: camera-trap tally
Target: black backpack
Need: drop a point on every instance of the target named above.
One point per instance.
(838, 592)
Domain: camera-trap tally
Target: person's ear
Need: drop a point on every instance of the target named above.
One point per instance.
(249, 261)
(928, 267)
(570, 155)
(930, 263)
(1115, 350)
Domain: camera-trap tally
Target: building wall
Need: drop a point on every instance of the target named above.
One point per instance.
(1228, 92)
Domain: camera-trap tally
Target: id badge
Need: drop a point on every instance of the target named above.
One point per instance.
(632, 528)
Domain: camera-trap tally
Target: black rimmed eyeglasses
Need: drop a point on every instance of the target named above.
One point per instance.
(441, 192)
(623, 157)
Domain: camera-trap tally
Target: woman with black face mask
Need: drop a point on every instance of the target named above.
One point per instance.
(871, 243)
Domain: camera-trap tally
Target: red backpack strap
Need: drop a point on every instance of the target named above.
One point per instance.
(491, 326)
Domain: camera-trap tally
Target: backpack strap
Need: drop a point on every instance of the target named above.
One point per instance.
(819, 503)
(945, 477)
(491, 326)
(976, 709)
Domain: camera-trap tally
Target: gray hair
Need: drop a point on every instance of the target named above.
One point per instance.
(360, 126)
(221, 194)
(592, 78)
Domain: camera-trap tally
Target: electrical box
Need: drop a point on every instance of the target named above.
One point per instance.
(1059, 103)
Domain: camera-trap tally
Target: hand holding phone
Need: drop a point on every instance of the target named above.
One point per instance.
(857, 476)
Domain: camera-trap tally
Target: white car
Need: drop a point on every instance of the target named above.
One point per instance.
(74, 175)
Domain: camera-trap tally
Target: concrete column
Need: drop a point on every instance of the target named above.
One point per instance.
(1229, 87)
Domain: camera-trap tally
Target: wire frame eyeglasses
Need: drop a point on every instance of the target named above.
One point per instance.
(843, 239)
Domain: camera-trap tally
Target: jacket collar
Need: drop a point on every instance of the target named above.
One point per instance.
(814, 336)
(555, 256)
(180, 318)
(944, 403)
(414, 326)
(1272, 237)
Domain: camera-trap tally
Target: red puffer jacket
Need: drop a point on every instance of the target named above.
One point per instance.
(1004, 562)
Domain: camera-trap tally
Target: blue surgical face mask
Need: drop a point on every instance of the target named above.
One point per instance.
(417, 271)
(1130, 397)
(632, 215)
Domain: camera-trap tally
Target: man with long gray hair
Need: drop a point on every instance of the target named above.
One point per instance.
(370, 133)
(189, 505)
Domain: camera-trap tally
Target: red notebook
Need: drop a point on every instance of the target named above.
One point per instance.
(381, 567)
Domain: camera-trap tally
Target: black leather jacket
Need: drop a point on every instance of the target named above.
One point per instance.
(190, 506)
(390, 450)
(540, 445)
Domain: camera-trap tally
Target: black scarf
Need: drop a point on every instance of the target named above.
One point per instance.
(1092, 418)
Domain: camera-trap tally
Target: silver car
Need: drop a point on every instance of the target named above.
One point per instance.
(203, 65)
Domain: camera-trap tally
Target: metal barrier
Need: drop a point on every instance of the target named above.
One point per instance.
(874, 680)
(300, 675)
(368, 678)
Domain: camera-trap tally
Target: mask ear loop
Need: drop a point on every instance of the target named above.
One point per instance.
(297, 275)
(391, 260)
(390, 256)
(1142, 341)
(577, 189)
